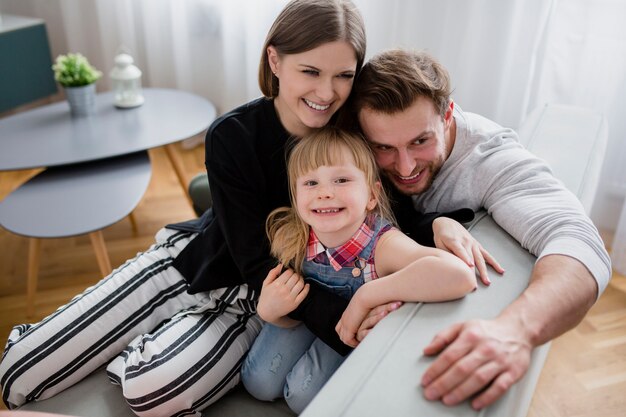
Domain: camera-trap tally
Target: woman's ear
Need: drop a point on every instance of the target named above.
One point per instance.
(273, 59)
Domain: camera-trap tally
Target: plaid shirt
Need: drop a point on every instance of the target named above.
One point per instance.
(347, 255)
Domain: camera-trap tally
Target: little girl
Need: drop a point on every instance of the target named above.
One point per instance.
(338, 235)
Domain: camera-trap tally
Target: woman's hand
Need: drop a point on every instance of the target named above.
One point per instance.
(358, 319)
(280, 295)
(452, 237)
(351, 320)
(374, 316)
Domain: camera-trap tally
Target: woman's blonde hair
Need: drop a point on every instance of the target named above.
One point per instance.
(287, 232)
(306, 24)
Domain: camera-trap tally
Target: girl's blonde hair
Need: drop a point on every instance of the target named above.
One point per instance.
(306, 24)
(287, 232)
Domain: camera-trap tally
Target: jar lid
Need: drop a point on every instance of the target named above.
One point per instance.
(124, 68)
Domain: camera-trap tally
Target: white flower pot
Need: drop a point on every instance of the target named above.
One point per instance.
(82, 100)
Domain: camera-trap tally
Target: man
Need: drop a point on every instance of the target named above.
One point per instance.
(429, 149)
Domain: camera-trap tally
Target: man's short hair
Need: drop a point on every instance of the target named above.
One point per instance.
(392, 80)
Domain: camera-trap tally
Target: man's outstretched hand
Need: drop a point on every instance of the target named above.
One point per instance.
(483, 357)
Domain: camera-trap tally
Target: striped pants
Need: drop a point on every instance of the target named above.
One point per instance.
(172, 353)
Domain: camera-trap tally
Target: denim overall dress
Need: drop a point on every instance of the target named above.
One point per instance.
(293, 363)
(350, 277)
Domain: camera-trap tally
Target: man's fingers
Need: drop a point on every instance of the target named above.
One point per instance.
(459, 250)
(492, 261)
(458, 363)
(484, 258)
(497, 388)
(479, 378)
(443, 339)
(481, 266)
(478, 359)
(451, 353)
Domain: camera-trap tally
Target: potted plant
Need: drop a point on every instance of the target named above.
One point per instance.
(78, 77)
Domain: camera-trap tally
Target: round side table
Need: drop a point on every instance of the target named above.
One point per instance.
(72, 200)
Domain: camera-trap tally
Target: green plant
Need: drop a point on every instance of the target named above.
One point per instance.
(73, 70)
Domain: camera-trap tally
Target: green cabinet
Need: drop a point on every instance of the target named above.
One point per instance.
(25, 61)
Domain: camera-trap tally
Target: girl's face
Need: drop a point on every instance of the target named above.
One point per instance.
(334, 200)
(313, 85)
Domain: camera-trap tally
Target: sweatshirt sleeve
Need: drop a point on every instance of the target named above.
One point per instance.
(527, 201)
(320, 312)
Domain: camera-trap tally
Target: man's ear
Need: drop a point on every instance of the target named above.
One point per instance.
(273, 59)
(448, 117)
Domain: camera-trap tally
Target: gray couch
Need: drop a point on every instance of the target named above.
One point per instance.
(381, 377)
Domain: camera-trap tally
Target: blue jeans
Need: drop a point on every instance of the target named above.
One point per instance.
(290, 363)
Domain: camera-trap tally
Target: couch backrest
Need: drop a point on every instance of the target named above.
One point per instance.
(573, 141)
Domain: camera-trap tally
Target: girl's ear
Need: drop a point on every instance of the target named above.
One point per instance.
(273, 59)
(374, 193)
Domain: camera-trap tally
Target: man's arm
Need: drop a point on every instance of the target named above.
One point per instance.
(486, 357)
(492, 355)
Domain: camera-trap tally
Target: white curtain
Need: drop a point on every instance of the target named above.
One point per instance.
(505, 57)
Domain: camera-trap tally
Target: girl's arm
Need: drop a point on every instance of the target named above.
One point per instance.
(409, 272)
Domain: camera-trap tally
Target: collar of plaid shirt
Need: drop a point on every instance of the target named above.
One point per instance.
(346, 253)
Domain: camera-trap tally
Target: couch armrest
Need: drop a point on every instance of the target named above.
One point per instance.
(381, 376)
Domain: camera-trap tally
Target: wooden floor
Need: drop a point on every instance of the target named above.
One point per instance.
(585, 374)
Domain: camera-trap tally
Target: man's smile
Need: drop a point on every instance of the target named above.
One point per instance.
(409, 180)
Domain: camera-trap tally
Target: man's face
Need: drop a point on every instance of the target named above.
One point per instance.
(410, 146)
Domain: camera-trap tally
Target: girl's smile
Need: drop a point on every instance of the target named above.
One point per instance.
(334, 200)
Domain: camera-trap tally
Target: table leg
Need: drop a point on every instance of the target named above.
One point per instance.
(34, 251)
(179, 169)
(133, 223)
(97, 241)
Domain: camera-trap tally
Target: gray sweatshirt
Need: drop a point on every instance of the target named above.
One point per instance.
(488, 168)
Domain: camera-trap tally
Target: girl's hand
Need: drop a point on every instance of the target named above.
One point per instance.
(280, 294)
(452, 237)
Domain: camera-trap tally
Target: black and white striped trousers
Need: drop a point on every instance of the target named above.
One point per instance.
(172, 353)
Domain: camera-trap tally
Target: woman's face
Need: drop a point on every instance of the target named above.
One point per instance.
(313, 85)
